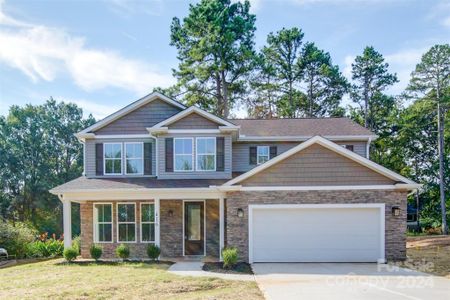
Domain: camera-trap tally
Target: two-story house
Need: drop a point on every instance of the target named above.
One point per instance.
(280, 190)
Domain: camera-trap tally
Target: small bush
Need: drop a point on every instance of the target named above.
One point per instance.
(123, 251)
(230, 257)
(48, 248)
(76, 243)
(15, 238)
(96, 251)
(70, 254)
(153, 251)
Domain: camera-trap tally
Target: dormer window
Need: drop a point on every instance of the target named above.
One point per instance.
(112, 158)
(183, 154)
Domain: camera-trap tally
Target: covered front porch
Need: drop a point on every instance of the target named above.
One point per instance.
(185, 223)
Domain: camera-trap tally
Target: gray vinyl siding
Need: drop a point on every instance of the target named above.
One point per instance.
(89, 155)
(317, 166)
(194, 121)
(241, 162)
(138, 120)
(162, 174)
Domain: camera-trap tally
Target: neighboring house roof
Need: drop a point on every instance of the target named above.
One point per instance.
(85, 184)
(260, 129)
(129, 108)
(332, 146)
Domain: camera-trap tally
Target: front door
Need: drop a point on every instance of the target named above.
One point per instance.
(194, 228)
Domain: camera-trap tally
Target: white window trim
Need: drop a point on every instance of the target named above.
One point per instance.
(175, 155)
(197, 153)
(119, 223)
(134, 158)
(121, 159)
(258, 156)
(96, 222)
(142, 222)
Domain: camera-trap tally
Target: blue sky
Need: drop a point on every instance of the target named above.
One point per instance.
(104, 54)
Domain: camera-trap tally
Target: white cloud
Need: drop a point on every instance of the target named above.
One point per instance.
(338, 2)
(441, 13)
(44, 53)
(99, 111)
(347, 71)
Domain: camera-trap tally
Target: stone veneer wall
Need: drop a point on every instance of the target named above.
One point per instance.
(137, 250)
(395, 227)
(171, 230)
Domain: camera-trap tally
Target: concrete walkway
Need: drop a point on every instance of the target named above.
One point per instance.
(194, 268)
(349, 281)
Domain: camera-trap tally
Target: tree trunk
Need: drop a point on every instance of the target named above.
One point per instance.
(441, 165)
(219, 95)
(224, 109)
(366, 104)
(310, 98)
(291, 102)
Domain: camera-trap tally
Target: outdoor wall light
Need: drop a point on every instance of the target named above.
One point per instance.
(396, 211)
(170, 213)
(240, 212)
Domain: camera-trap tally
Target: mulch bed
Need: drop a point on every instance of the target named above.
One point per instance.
(217, 267)
(86, 262)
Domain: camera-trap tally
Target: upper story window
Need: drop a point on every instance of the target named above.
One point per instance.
(134, 158)
(126, 222)
(206, 154)
(112, 158)
(103, 223)
(262, 154)
(348, 147)
(183, 152)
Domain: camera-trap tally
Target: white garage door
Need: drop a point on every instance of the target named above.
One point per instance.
(316, 233)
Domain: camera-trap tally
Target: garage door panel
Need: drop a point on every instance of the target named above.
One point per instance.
(316, 234)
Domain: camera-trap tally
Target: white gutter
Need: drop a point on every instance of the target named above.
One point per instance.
(244, 138)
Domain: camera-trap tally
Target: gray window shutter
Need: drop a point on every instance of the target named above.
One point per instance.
(273, 151)
(220, 154)
(169, 154)
(99, 159)
(252, 158)
(147, 158)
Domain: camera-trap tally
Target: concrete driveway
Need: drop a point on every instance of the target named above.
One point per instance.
(359, 281)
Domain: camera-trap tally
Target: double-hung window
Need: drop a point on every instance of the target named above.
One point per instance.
(147, 222)
(262, 154)
(206, 154)
(183, 154)
(102, 222)
(134, 158)
(126, 222)
(112, 158)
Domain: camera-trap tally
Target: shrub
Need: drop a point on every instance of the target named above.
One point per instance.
(47, 248)
(96, 251)
(70, 254)
(230, 257)
(123, 251)
(153, 251)
(76, 243)
(15, 239)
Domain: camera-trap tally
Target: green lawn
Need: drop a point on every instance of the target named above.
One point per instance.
(51, 279)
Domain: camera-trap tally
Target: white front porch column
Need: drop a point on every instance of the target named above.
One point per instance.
(157, 223)
(221, 226)
(67, 219)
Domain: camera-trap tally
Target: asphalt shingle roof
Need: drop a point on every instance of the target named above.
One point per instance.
(306, 127)
(84, 183)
